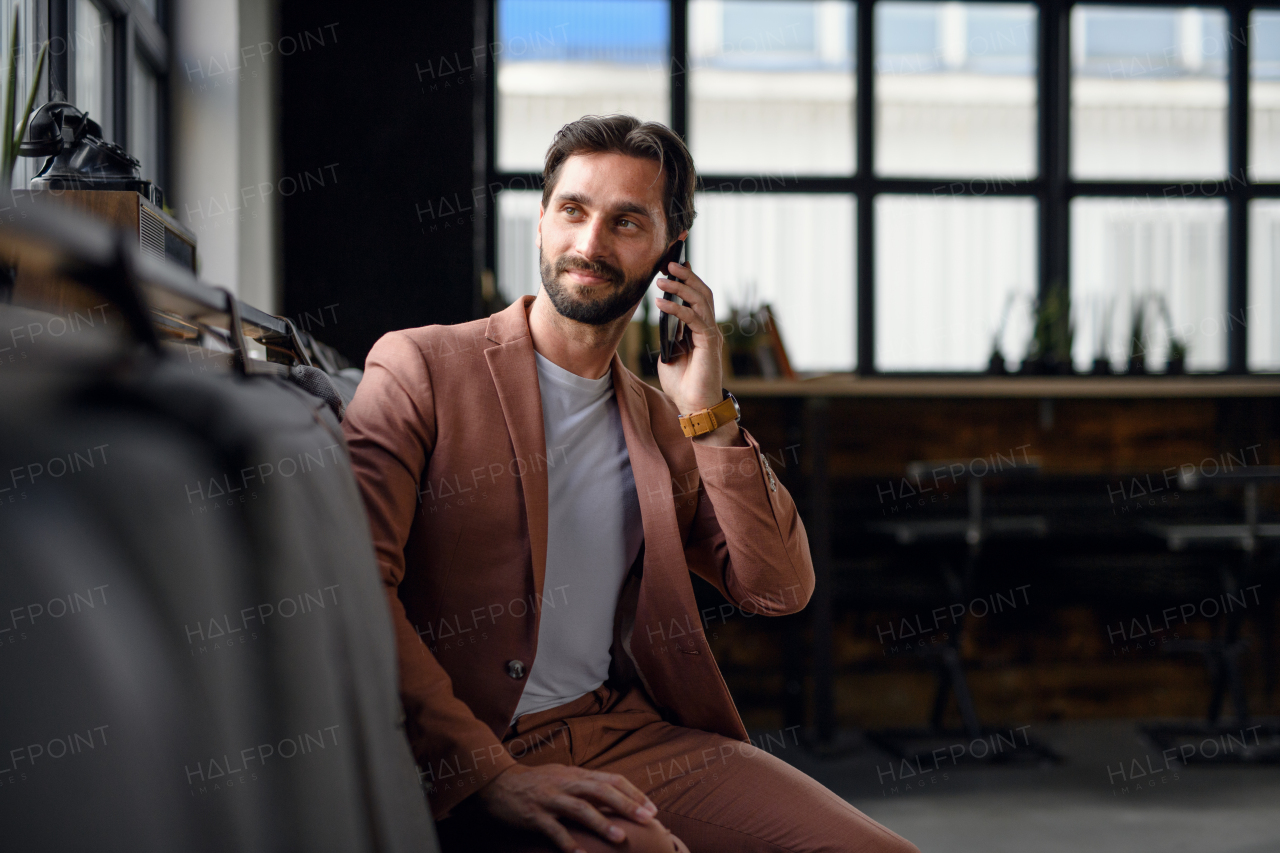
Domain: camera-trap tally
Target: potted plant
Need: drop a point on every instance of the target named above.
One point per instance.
(996, 363)
(1138, 337)
(9, 140)
(1102, 363)
(1176, 361)
(1050, 349)
(740, 342)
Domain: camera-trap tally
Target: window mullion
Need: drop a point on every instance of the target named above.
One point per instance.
(864, 221)
(678, 48)
(1238, 183)
(59, 28)
(122, 59)
(1054, 67)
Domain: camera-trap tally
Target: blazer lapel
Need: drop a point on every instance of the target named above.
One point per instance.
(653, 478)
(515, 375)
(686, 682)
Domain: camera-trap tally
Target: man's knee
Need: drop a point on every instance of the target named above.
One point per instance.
(899, 845)
(656, 838)
(649, 838)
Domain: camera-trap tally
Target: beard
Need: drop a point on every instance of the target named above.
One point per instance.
(601, 304)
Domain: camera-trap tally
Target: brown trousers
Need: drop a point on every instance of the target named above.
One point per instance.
(714, 794)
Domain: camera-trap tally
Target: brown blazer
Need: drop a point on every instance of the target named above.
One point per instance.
(447, 444)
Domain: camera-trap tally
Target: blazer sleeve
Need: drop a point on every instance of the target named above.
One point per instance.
(747, 539)
(390, 429)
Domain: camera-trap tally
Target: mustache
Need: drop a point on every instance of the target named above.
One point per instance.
(600, 268)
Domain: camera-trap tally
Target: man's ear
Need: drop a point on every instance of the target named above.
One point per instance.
(538, 240)
(684, 235)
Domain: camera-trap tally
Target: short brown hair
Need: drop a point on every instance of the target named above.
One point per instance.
(623, 134)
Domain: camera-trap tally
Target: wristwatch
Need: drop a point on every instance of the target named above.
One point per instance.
(707, 420)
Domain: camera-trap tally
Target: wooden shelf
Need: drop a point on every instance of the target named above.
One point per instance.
(1012, 387)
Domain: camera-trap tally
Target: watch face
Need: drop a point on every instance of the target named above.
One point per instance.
(737, 410)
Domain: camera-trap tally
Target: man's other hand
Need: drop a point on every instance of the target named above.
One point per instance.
(535, 798)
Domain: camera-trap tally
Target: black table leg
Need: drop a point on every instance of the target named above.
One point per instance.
(818, 525)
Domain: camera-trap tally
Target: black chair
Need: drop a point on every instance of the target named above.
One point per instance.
(1222, 654)
(968, 535)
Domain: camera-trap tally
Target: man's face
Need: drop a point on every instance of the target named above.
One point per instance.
(600, 235)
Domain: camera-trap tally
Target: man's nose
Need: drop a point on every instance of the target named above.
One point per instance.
(593, 240)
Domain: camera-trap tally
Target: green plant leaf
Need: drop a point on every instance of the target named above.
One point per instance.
(31, 100)
(7, 155)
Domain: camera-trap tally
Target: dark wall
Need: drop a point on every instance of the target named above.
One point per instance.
(360, 256)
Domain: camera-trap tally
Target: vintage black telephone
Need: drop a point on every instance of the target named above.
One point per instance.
(674, 336)
(79, 158)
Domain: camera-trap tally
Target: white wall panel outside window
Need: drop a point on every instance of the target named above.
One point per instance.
(90, 59)
(558, 60)
(1148, 92)
(1264, 285)
(955, 89)
(1126, 252)
(793, 251)
(1264, 95)
(517, 248)
(144, 117)
(772, 86)
(945, 270)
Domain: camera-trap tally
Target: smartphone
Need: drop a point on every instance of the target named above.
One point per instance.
(674, 337)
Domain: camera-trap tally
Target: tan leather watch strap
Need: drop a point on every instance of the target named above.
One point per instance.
(700, 423)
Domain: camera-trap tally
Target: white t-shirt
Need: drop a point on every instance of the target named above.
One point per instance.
(594, 533)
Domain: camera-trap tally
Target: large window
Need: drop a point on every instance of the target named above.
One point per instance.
(904, 180)
(109, 58)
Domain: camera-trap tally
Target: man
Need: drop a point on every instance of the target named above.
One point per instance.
(537, 510)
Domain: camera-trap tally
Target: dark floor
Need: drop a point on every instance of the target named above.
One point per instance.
(1113, 792)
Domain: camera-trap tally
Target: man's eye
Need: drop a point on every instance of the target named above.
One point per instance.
(571, 210)
(627, 223)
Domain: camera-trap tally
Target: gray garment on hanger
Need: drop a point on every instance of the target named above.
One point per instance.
(239, 617)
(106, 567)
(317, 383)
(345, 381)
(311, 543)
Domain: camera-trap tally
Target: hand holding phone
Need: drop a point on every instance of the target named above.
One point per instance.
(674, 337)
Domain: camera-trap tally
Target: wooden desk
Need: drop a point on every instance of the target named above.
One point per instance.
(851, 426)
(1012, 387)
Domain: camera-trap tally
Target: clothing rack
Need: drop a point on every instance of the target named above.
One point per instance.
(198, 514)
(62, 243)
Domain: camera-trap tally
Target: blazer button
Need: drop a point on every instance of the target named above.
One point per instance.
(515, 669)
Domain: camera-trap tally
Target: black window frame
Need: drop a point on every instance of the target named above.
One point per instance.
(1053, 188)
(136, 33)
